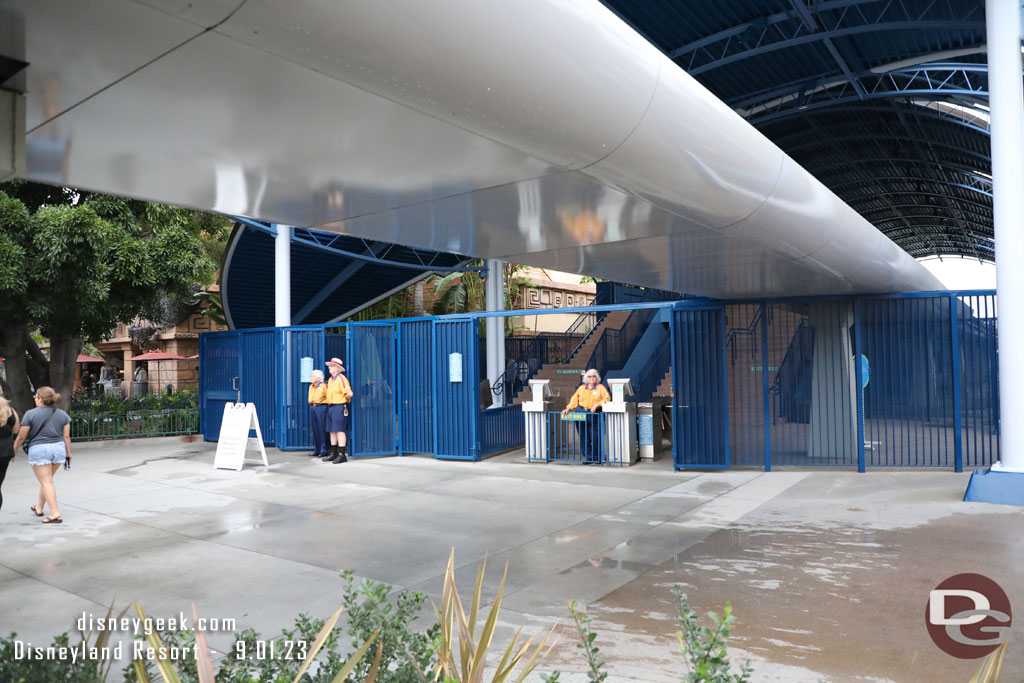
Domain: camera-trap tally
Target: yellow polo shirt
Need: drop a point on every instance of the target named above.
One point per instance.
(318, 393)
(588, 398)
(338, 390)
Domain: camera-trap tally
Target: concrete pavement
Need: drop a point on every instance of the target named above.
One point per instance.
(828, 571)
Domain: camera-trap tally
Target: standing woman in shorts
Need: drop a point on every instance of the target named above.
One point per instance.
(48, 431)
(8, 427)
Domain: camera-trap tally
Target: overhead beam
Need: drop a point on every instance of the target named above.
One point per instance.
(769, 20)
(870, 137)
(835, 187)
(328, 289)
(783, 44)
(874, 105)
(940, 81)
(298, 238)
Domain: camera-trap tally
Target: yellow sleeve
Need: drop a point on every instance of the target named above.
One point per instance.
(604, 396)
(574, 402)
(346, 387)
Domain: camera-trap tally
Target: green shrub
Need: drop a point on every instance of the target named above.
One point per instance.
(705, 648)
(405, 654)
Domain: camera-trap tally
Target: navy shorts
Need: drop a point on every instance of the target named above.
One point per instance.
(337, 420)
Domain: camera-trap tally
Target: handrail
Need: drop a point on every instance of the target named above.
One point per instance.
(583, 317)
(627, 336)
(749, 330)
(796, 345)
(654, 371)
(539, 347)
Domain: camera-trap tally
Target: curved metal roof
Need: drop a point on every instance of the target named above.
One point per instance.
(884, 101)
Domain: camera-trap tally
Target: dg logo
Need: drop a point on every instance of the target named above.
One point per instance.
(968, 616)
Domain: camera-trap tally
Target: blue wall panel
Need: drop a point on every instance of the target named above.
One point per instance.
(372, 373)
(977, 352)
(219, 360)
(756, 383)
(502, 429)
(259, 379)
(744, 372)
(908, 401)
(416, 386)
(456, 404)
(700, 425)
(294, 411)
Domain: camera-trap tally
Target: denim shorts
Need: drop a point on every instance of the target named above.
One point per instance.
(46, 454)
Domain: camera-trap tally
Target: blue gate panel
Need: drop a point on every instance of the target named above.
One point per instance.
(790, 352)
(219, 357)
(863, 381)
(502, 429)
(908, 400)
(259, 378)
(456, 387)
(745, 372)
(416, 386)
(812, 389)
(336, 344)
(700, 424)
(299, 344)
(978, 357)
(578, 437)
(373, 382)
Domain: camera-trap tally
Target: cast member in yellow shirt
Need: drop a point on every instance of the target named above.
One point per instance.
(318, 413)
(590, 396)
(339, 398)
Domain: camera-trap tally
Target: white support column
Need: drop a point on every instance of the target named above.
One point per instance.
(1003, 24)
(495, 327)
(282, 276)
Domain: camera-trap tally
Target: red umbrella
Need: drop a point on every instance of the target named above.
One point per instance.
(157, 355)
(82, 358)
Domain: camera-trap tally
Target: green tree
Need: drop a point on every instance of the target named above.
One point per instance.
(74, 263)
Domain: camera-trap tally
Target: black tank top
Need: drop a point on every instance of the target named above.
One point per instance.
(7, 438)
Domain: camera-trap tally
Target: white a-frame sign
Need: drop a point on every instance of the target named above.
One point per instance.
(234, 440)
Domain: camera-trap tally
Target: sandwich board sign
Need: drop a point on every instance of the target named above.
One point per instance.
(234, 439)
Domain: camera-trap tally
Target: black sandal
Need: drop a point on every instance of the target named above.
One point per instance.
(39, 513)
(53, 520)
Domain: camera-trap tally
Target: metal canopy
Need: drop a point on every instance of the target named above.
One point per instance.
(884, 101)
(543, 132)
(332, 275)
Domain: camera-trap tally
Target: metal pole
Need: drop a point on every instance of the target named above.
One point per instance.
(282, 276)
(495, 326)
(1006, 103)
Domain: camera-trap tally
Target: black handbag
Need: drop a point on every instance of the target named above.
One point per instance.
(34, 434)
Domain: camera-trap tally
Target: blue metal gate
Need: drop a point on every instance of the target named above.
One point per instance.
(218, 382)
(372, 374)
(259, 381)
(700, 404)
(416, 387)
(293, 411)
(862, 381)
(456, 389)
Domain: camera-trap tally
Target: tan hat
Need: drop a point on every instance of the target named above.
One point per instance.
(336, 361)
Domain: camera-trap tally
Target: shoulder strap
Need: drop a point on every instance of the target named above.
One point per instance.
(33, 434)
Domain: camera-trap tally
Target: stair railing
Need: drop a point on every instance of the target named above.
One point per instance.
(654, 371)
(615, 346)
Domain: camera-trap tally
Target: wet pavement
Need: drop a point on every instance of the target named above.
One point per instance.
(828, 572)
